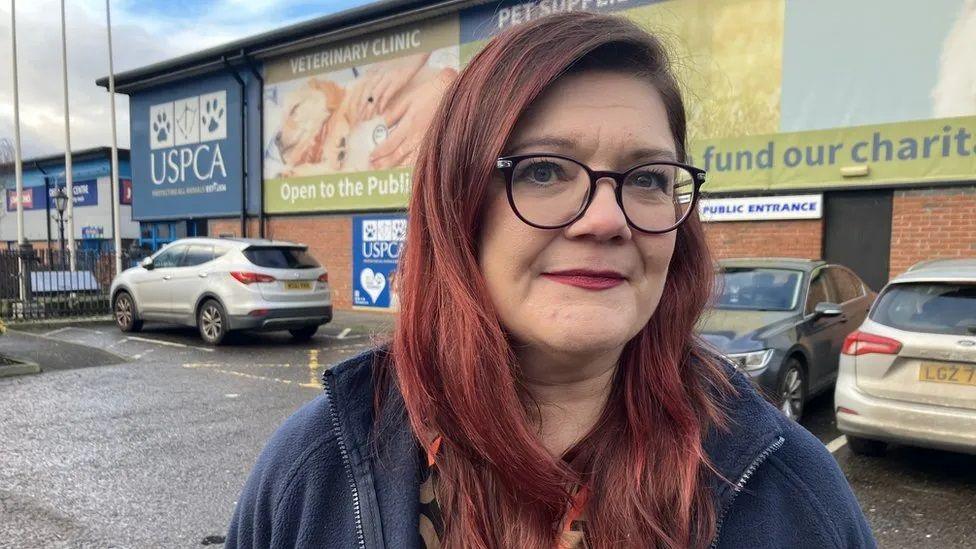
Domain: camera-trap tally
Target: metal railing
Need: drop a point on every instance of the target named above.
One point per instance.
(39, 284)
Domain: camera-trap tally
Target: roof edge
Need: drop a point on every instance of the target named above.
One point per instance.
(260, 46)
(76, 156)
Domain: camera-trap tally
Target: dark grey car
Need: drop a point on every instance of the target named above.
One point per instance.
(783, 322)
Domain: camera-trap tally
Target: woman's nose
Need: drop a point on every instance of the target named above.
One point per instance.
(603, 219)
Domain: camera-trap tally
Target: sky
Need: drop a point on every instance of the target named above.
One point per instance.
(143, 32)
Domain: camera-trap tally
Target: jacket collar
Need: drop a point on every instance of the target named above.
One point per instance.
(387, 459)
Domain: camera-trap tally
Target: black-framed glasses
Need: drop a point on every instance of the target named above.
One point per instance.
(550, 191)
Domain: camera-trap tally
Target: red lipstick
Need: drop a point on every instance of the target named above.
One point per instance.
(588, 280)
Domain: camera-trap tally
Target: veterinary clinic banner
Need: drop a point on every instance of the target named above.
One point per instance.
(343, 120)
(377, 241)
(794, 95)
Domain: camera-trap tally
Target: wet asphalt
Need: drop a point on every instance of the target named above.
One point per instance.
(144, 440)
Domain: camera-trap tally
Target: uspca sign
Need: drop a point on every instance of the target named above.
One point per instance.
(187, 157)
(184, 138)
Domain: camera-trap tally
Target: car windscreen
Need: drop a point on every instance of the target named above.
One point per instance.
(760, 289)
(935, 308)
(280, 257)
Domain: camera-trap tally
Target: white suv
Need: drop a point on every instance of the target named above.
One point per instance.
(225, 284)
(908, 374)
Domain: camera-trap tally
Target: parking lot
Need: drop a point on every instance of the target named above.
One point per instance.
(144, 440)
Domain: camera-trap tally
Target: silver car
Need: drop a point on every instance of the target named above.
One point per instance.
(223, 284)
(908, 374)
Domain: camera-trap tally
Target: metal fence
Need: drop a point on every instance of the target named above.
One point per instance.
(41, 285)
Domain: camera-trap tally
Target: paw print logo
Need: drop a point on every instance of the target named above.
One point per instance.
(369, 231)
(161, 126)
(399, 230)
(213, 116)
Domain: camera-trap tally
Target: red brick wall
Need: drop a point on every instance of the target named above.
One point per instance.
(932, 224)
(329, 239)
(232, 226)
(800, 238)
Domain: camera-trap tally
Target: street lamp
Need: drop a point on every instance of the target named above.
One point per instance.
(61, 204)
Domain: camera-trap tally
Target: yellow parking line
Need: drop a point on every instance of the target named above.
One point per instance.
(242, 374)
(219, 364)
(313, 368)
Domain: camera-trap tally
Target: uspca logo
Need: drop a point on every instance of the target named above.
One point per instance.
(184, 138)
(383, 238)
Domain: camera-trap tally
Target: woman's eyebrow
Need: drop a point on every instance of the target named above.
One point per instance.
(565, 145)
(649, 154)
(545, 143)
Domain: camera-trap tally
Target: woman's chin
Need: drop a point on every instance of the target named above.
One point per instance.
(586, 337)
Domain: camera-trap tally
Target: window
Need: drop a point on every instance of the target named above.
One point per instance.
(197, 254)
(169, 258)
(280, 257)
(818, 290)
(758, 289)
(928, 307)
(846, 285)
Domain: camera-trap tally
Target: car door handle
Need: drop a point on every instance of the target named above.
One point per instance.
(167, 277)
(202, 275)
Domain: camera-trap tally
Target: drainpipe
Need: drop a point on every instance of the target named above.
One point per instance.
(260, 79)
(243, 89)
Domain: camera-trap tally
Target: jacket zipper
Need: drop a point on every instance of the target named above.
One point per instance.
(347, 465)
(763, 456)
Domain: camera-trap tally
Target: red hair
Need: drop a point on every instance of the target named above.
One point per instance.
(450, 356)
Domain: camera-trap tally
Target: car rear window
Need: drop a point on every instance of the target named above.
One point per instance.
(758, 288)
(935, 308)
(280, 257)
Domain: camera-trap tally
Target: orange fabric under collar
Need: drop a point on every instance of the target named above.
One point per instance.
(576, 507)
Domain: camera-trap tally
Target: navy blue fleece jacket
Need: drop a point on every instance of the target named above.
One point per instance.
(321, 482)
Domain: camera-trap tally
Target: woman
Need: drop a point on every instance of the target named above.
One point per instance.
(544, 387)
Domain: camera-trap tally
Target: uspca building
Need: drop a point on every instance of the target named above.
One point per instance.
(858, 151)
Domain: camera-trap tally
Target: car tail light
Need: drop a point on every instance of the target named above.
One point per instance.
(250, 278)
(324, 277)
(862, 343)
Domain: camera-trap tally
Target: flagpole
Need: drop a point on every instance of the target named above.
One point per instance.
(68, 176)
(18, 160)
(117, 226)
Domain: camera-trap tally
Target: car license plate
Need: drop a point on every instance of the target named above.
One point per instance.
(941, 372)
(298, 285)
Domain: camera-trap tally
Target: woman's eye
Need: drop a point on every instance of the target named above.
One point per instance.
(540, 172)
(649, 180)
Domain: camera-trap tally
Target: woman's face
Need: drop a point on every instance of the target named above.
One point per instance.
(550, 287)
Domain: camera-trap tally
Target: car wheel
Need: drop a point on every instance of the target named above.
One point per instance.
(792, 392)
(125, 313)
(867, 446)
(212, 322)
(303, 334)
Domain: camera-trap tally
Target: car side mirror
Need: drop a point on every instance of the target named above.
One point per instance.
(147, 263)
(825, 308)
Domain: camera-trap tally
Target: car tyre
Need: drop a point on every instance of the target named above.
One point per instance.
(212, 322)
(303, 334)
(867, 446)
(126, 316)
(791, 393)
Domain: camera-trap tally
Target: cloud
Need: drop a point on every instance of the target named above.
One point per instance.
(142, 33)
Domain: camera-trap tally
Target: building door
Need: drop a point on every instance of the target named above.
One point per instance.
(857, 233)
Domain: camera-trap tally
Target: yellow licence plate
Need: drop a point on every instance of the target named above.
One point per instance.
(298, 285)
(960, 374)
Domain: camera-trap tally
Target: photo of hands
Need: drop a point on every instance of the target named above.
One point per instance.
(355, 119)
